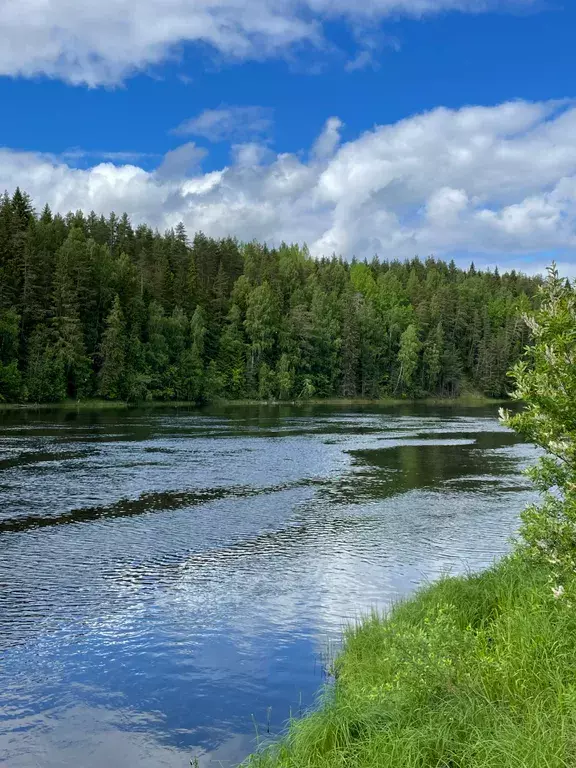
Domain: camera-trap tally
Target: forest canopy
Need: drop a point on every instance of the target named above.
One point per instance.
(93, 307)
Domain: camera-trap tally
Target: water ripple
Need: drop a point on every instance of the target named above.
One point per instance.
(168, 578)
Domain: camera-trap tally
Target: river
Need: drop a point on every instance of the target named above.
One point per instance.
(173, 581)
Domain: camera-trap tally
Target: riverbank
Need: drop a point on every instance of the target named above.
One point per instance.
(474, 672)
(468, 399)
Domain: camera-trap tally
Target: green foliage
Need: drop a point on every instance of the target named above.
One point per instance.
(46, 374)
(545, 381)
(113, 383)
(284, 378)
(213, 382)
(9, 333)
(191, 376)
(89, 305)
(408, 357)
(231, 361)
(10, 382)
(432, 359)
(67, 338)
(261, 322)
(266, 382)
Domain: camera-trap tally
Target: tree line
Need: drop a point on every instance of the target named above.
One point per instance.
(93, 307)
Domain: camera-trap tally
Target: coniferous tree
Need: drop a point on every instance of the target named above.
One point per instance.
(113, 378)
(192, 362)
(232, 352)
(89, 305)
(46, 375)
(10, 376)
(67, 338)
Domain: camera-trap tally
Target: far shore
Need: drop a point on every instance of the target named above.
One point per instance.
(468, 399)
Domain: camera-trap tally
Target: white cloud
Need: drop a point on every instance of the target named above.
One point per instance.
(181, 161)
(251, 154)
(495, 182)
(106, 41)
(445, 205)
(228, 123)
(328, 140)
(77, 153)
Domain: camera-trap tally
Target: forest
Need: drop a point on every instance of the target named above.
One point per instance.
(91, 306)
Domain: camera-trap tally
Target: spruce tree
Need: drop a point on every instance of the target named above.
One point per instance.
(113, 375)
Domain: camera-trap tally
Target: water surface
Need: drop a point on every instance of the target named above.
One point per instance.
(170, 580)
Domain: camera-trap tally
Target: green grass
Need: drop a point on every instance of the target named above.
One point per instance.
(474, 672)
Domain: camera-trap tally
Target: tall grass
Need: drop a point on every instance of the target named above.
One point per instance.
(473, 672)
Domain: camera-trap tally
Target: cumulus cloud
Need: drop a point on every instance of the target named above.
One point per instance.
(181, 161)
(251, 154)
(326, 143)
(77, 153)
(104, 42)
(228, 123)
(496, 182)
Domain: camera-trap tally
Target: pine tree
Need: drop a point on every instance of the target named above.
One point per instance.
(22, 209)
(10, 375)
(157, 353)
(231, 362)
(192, 368)
(15, 218)
(113, 372)
(180, 258)
(67, 335)
(45, 375)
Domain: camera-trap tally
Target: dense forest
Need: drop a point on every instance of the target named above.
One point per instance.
(91, 306)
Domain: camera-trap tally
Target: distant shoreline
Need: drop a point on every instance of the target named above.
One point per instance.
(471, 400)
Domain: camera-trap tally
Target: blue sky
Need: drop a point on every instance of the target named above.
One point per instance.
(93, 98)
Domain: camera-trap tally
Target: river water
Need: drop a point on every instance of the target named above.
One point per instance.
(172, 582)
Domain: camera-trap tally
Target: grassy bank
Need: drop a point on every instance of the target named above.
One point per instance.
(468, 399)
(476, 672)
